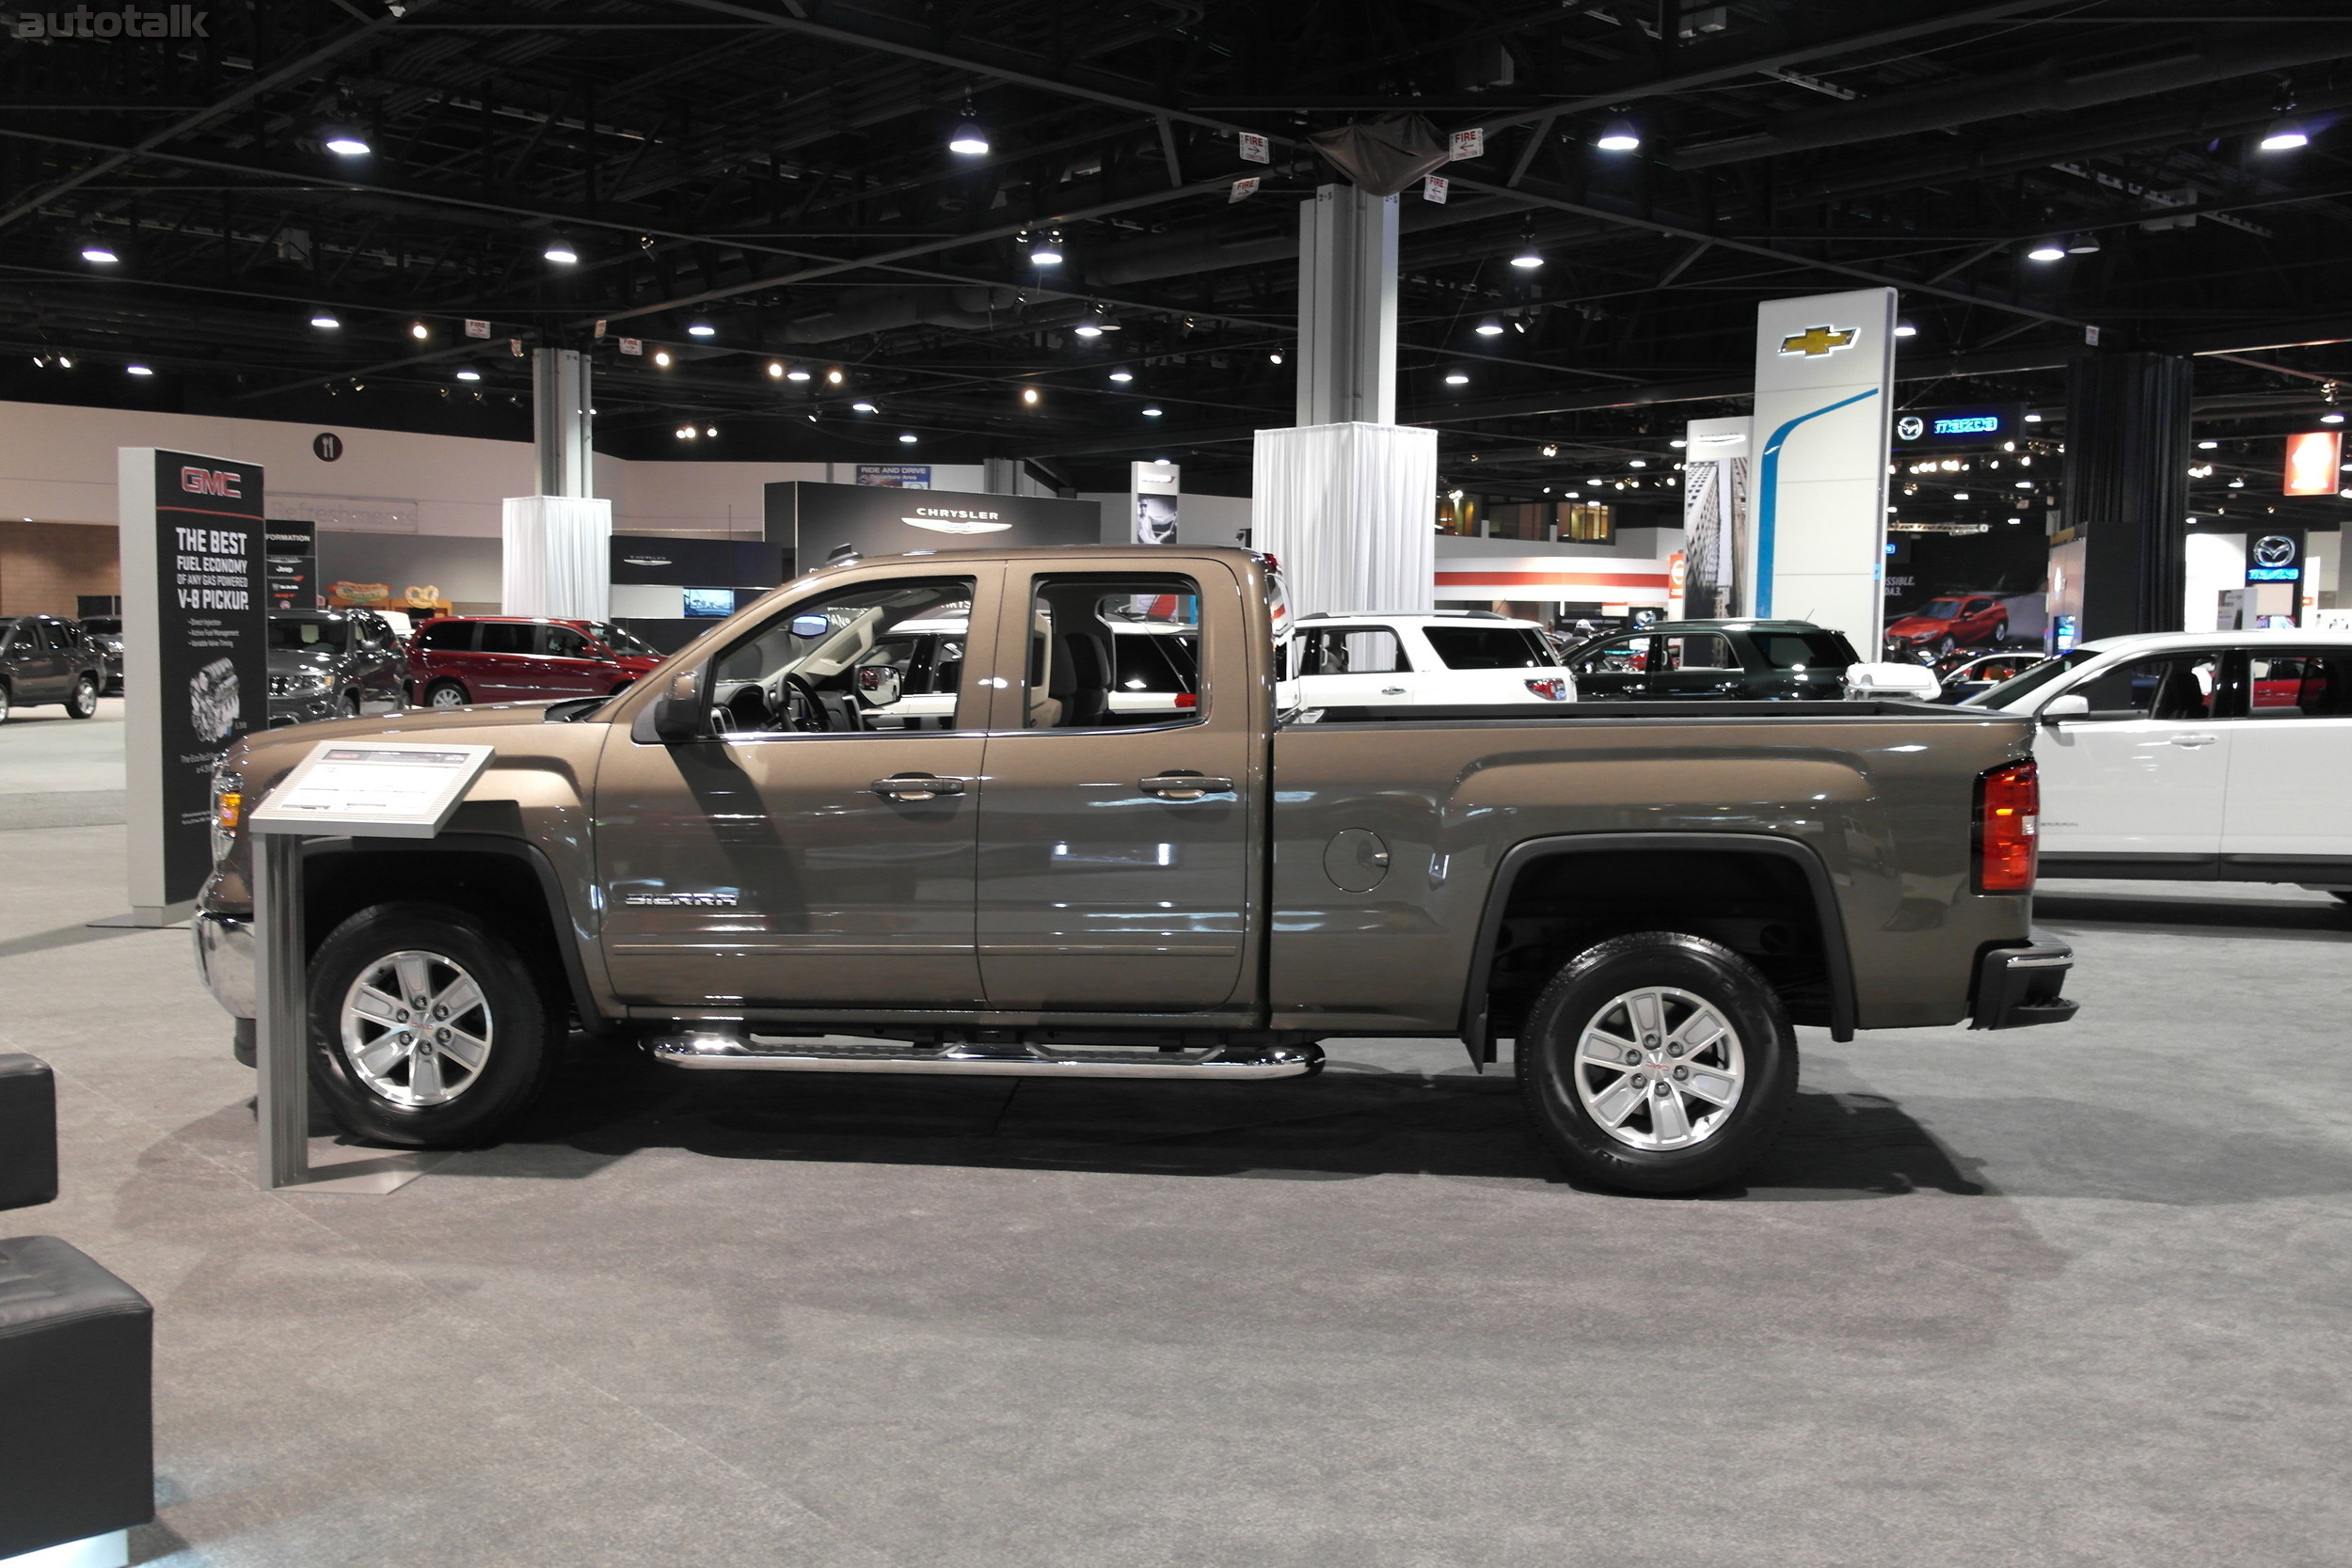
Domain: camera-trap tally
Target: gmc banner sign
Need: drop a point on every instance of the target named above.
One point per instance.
(196, 666)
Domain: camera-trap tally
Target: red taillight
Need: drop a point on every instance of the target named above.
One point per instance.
(1551, 688)
(1187, 699)
(2009, 819)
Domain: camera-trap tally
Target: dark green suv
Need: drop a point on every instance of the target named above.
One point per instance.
(1717, 660)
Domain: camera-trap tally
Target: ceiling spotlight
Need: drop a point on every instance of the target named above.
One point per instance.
(862, 407)
(2082, 245)
(1028, 396)
(1526, 257)
(1129, 376)
(710, 430)
(2331, 419)
(1456, 378)
(775, 369)
(1904, 329)
(419, 331)
(2284, 137)
(906, 439)
(1151, 413)
(560, 251)
(1090, 330)
(1619, 135)
(685, 432)
(1274, 358)
(100, 252)
(833, 377)
(662, 358)
(344, 139)
(137, 369)
(2207, 445)
(2046, 251)
(326, 320)
(1046, 252)
(699, 328)
(967, 138)
(469, 375)
(2033, 419)
(796, 375)
(1488, 328)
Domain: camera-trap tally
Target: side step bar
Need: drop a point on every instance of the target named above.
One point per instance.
(732, 1053)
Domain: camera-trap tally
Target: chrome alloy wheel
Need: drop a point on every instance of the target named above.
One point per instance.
(416, 1029)
(1659, 1068)
(445, 697)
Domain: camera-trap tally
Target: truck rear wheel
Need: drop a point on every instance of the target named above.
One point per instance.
(427, 1029)
(1658, 1062)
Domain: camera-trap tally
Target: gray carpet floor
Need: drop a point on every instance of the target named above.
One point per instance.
(2062, 1296)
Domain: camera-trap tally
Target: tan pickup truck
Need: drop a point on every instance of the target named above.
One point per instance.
(1035, 812)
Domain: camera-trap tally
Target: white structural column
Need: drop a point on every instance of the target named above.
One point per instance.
(1347, 308)
(557, 552)
(1347, 500)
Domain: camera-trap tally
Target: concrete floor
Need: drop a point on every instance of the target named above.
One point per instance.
(2066, 1296)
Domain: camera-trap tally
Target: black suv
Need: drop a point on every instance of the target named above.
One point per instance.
(105, 633)
(1718, 660)
(46, 659)
(333, 664)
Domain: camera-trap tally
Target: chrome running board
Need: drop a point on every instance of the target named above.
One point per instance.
(733, 1053)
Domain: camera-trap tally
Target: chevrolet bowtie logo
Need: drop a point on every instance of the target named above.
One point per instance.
(1814, 341)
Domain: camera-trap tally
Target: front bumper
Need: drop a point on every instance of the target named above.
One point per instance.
(311, 709)
(2021, 986)
(224, 955)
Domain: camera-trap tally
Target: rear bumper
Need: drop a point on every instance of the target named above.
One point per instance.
(2021, 986)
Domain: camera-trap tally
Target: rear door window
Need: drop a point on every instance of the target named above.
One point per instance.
(509, 637)
(1350, 651)
(1490, 647)
(564, 643)
(2291, 683)
(2178, 687)
(1803, 650)
(447, 636)
(1700, 651)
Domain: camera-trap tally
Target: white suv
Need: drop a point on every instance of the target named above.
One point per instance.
(1451, 658)
(2200, 756)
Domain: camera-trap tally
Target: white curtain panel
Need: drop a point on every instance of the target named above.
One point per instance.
(1350, 511)
(559, 557)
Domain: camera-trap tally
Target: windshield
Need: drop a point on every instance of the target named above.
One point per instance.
(2031, 681)
(1941, 610)
(103, 626)
(1490, 647)
(1805, 650)
(309, 634)
(621, 640)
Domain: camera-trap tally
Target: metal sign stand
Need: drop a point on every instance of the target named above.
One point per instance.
(342, 787)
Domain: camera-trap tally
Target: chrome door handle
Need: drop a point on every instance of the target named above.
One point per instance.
(916, 787)
(1183, 786)
(1392, 691)
(2193, 741)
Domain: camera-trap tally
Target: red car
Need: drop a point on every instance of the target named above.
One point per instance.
(1961, 620)
(456, 659)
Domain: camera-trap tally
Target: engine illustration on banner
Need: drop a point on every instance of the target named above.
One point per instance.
(1715, 482)
(1152, 493)
(1824, 373)
(196, 599)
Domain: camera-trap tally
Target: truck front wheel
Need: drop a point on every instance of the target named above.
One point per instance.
(1657, 1062)
(427, 1029)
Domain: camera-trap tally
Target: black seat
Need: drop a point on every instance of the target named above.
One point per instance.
(2179, 696)
(1085, 664)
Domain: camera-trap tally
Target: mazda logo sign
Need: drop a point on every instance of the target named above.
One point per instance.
(2274, 549)
(1911, 427)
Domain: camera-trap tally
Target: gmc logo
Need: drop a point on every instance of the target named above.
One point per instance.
(209, 482)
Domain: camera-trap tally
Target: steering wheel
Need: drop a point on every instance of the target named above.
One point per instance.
(801, 710)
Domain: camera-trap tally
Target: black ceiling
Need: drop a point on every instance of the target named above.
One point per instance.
(779, 170)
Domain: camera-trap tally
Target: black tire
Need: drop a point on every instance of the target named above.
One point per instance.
(1946, 645)
(434, 695)
(2000, 634)
(351, 706)
(523, 1028)
(82, 701)
(7, 705)
(1588, 992)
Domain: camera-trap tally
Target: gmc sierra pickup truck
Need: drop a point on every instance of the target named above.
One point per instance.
(900, 800)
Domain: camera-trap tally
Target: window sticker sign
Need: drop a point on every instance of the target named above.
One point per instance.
(389, 789)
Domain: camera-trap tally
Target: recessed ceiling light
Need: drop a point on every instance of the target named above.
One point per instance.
(835, 378)
(775, 369)
(710, 430)
(1029, 395)
(662, 358)
(419, 331)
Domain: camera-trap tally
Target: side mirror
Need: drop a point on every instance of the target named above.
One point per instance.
(677, 715)
(1864, 682)
(2073, 704)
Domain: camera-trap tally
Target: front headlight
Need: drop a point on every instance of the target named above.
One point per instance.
(228, 810)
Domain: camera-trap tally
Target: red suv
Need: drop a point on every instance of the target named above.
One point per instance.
(456, 659)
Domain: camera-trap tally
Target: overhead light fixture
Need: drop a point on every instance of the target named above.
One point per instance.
(99, 253)
(1526, 257)
(2331, 419)
(1550, 450)
(796, 375)
(699, 328)
(419, 331)
(1619, 135)
(1123, 376)
(2207, 445)
(712, 429)
(1046, 252)
(2046, 251)
(326, 320)
(906, 439)
(1904, 329)
(775, 369)
(1488, 328)
(469, 375)
(684, 433)
(833, 377)
(1274, 358)
(1637, 463)
(1677, 441)
(2082, 245)
(967, 138)
(662, 358)
(1028, 396)
(2284, 137)
(2033, 419)
(560, 251)
(1090, 330)
(1151, 413)
(137, 370)
(1161, 462)
(862, 408)
(1456, 378)
(346, 140)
